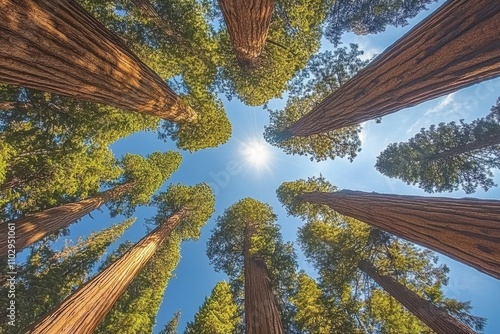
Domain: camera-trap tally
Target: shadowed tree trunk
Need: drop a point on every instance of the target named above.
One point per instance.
(262, 315)
(471, 147)
(431, 315)
(248, 23)
(37, 226)
(57, 46)
(453, 48)
(467, 230)
(84, 310)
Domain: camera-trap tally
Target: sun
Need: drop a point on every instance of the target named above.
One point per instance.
(255, 152)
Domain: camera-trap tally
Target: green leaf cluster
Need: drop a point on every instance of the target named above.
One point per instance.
(448, 156)
(219, 313)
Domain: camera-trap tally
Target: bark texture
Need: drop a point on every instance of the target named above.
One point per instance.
(467, 230)
(248, 24)
(453, 48)
(7, 105)
(262, 315)
(37, 226)
(57, 46)
(431, 315)
(83, 311)
(471, 147)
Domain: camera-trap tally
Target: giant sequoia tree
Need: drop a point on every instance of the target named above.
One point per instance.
(184, 209)
(448, 156)
(84, 59)
(434, 222)
(362, 269)
(49, 276)
(141, 179)
(246, 241)
(431, 60)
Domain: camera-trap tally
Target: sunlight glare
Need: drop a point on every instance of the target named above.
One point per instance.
(256, 153)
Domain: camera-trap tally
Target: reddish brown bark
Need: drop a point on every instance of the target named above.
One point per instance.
(248, 24)
(57, 46)
(37, 226)
(431, 315)
(83, 311)
(262, 314)
(7, 105)
(453, 48)
(467, 229)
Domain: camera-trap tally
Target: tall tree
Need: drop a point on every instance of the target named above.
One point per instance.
(135, 311)
(50, 276)
(246, 241)
(219, 313)
(141, 179)
(248, 25)
(324, 73)
(294, 36)
(91, 63)
(348, 253)
(368, 16)
(171, 325)
(444, 223)
(185, 210)
(448, 156)
(431, 60)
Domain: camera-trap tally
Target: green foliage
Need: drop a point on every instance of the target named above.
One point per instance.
(57, 148)
(186, 53)
(219, 313)
(171, 325)
(147, 174)
(198, 200)
(325, 73)
(448, 156)
(336, 245)
(135, 311)
(289, 195)
(254, 221)
(368, 16)
(294, 35)
(211, 129)
(49, 276)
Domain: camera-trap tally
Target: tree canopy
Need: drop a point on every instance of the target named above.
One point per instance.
(324, 73)
(448, 156)
(219, 313)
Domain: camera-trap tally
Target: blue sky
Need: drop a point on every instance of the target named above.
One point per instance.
(234, 178)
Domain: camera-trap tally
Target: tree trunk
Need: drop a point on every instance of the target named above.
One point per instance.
(431, 315)
(57, 46)
(262, 315)
(477, 145)
(467, 229)
(37, 226)
(453, 48)
(84, 310)
(7, 105)
(248, 24)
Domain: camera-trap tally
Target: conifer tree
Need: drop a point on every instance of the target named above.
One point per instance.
(183, 210)
(408, 73)
(171, 325)
(447, 156)
(350, 257)
(219, 313)
(84, 59)
(50, 276)
(434, 222)
(246, 242)
(141, 179)
(324, 73)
